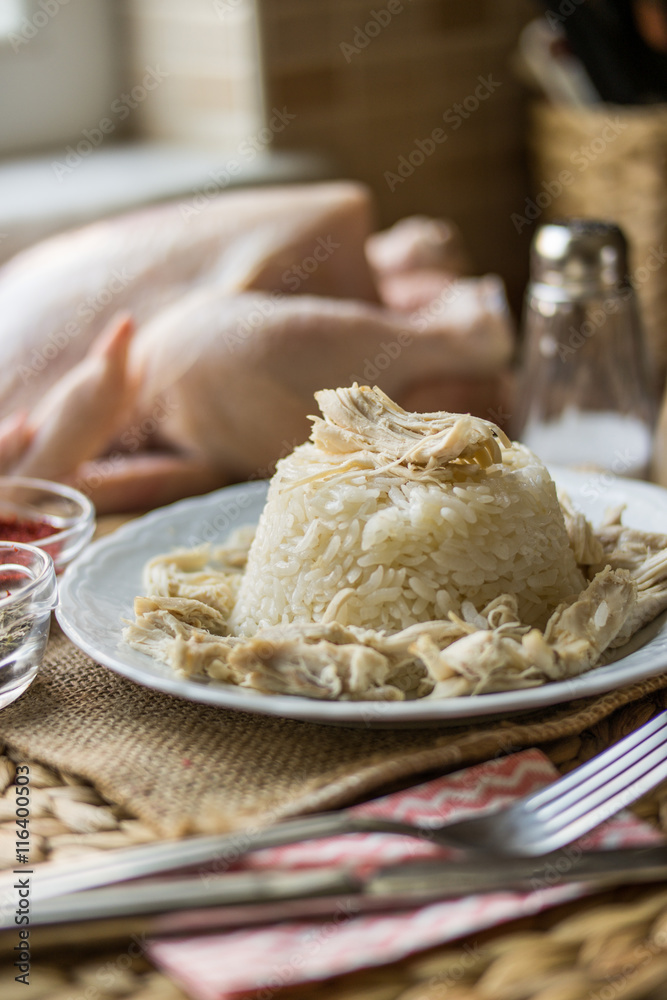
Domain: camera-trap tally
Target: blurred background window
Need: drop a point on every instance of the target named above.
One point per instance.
(113, 103)
(59, 69)
(11, 12)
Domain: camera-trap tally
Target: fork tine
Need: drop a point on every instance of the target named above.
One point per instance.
(597, 786)
(587, 813)
(601, 766)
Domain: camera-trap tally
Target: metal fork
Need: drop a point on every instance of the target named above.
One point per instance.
(573, 805)
(538, 824)
(541, 822)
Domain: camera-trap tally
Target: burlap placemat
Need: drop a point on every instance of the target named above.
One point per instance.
(183, 767)
(608, 947)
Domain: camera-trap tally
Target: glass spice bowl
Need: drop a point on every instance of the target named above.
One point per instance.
(55, 518)
(28, 595)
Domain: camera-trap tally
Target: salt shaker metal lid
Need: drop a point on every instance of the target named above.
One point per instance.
(584, 398)
(577, 258)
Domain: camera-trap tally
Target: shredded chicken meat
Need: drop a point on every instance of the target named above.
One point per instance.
(475, 653)
(184, 618)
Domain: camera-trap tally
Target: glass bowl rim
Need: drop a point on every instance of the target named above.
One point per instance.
(87, 516)
(46, 574)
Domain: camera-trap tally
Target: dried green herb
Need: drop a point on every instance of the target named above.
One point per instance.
(14, 627)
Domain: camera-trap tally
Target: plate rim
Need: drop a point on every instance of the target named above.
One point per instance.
(450, 711)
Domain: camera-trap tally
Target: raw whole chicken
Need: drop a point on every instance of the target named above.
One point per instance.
(176, 349)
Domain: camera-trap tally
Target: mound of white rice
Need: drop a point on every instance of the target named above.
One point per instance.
(355, 532)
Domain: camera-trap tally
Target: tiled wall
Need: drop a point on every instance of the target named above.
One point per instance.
(212, 93)
(367, 84)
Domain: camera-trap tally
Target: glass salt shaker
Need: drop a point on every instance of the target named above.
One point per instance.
(584, 398)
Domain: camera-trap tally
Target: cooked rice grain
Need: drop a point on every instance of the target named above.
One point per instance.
(410, 550)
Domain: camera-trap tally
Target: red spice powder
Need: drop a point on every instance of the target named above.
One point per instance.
(17, 529)
(14, 529)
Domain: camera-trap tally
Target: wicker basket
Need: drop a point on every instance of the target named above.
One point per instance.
(611, 164)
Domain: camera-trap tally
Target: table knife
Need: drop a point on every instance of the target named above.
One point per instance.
(191, 905)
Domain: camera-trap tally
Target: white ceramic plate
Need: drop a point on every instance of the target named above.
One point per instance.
(98, 589)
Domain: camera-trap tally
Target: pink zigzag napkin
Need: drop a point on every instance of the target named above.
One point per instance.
(259, 960)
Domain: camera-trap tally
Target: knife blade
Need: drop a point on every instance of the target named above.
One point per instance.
(216, 851)
(190, 905)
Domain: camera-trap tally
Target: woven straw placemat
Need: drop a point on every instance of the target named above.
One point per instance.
(608, 947)
(147, 750)
(184, 768)
(613, 159)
